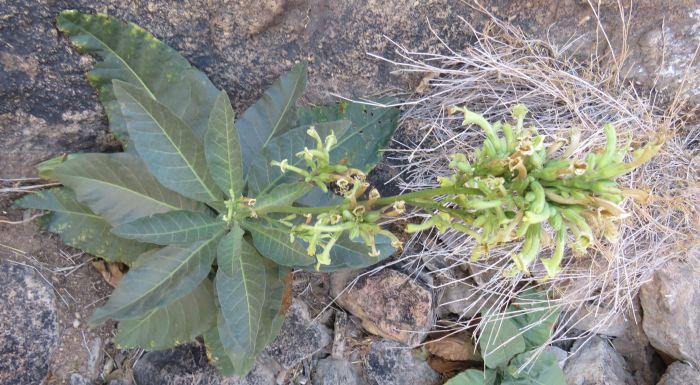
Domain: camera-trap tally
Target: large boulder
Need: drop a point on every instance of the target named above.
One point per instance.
(390, 304)
(28, 325)
(596, 362)
(679, 373)
(671, 303)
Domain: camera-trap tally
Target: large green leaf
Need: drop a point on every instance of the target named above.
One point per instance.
(79, 227)
(371, 130)
(223, 148)
(473, 377)
(216, 353)
(158, 279)
(118, 187)
(174, 227)
(543, 370)
(500, 339)
(273, 114)
(262, 177)
(282, 195)
(133, 55)
(535, 317)
(273, 242)
(250, 293)
(175, 324)
(169, 148)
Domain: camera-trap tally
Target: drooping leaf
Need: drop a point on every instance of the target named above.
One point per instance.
(223, 148)
(543, 370)
(262, 177)
(250, 293)
(46, 168)
(170, 150)
(175, 324)
(118, 187)
(158, 279)
(535, 317)
(500, 340)
(370, 132)
(273, 114)
(354, 254)
(273, 243)
(216, 353)
(473, 377)
(282, 195)
(79, 227)
(133, 55)
(174, 227)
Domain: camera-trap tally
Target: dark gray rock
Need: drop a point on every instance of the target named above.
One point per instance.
(188, 364)
(390, 363)
(671, 303)
(119, 381)
(28, 325)
(300, 337)
(679, 373)
(335, 371)
(596, 362)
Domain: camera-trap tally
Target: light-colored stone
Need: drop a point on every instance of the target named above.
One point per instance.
(389, 303)
(596, 362)
(389, 363)
(335, 371)
(28, 325)
(671, 303)
(679, 373)
(463, 299)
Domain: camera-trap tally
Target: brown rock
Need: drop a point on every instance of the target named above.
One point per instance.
(671, 303)
(456, 347)
(389, 303)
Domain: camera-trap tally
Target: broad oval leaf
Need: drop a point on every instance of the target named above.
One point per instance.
(370, 132)
(500, 339)
(535, 317)
(273, 242)
(172, 325)
(250, 293)
(273, 114)
(544, 369)
(473, 377)
(223, 148)
(118, 187)
(158, 279)
(282, 195)
(262, 177)
(174, 227)
(79, 227)
(167, 146)
(133, 55)
(216, 353)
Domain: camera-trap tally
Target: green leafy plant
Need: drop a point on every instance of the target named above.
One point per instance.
(191, 204)
(510, 344)
(211, 212)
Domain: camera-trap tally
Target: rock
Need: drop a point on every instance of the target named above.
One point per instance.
(389, 303)
(28, 325)
(388, 363)
(671, 303)
(188, 364)
(590, 318)
(300, 337)
(644, 363)
(679, 373)
(119, 381)
(463, 300)
(335, 371)
(77, 379)
(596, 362)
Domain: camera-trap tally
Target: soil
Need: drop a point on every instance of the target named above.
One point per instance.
(47, 107)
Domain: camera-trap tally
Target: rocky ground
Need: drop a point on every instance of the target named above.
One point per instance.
(47, 107)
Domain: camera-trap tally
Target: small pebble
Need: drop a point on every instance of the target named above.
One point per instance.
(76, 323)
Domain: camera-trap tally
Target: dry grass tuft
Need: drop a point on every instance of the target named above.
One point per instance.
(566, 98)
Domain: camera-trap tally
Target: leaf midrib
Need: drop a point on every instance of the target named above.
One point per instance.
(290, 101)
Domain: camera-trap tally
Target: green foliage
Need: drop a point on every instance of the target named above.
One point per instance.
(509, 341)
(194, 206)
